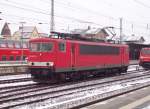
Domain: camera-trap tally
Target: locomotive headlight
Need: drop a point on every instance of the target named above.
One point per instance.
(30, 63)
(50, 63)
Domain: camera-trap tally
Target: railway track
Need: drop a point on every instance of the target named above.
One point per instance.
(63, 92)
(18, 80)
(23, 79)
(15, 80)
(9, 89)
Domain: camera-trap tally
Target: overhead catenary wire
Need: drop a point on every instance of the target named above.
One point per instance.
(46, 13)
(142, 4)
(43, 11)
(79, 8)
(56, 2)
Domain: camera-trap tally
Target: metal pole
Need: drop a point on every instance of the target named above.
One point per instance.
(120, 30)
(1, 18)
(52, 16)
(22, 25)
(132, 28)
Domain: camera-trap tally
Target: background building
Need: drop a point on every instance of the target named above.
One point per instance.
(26, 33)
(6, 33)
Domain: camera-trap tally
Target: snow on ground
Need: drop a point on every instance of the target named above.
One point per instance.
(134, 67)
(17, 84)
(88, 93)
(15, 76)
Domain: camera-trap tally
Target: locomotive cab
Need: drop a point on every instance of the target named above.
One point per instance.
(41, 58)
(145, 58)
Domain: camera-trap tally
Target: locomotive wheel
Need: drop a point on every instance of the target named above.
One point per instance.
(76, 76)
(61, 77)
(123, 70)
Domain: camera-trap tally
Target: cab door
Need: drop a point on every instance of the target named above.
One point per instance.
(62, 55)
(73, 58)
(123, 53)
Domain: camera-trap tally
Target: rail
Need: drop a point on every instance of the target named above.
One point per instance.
(64, 92)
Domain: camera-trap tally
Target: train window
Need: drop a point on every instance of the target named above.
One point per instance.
(3, 58)
(44, 47)
(98, 49)
(25, 45)
(35, 46)
(62, 46)
(3, 44)
(17, 45)
(10, 45)
(11, 58)
(18, 58)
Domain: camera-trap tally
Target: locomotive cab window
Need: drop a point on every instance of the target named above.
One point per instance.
(62, 46)
(46, 47)
(41, 47)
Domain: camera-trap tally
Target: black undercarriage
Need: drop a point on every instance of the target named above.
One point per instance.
(145, 65)
(43, 75)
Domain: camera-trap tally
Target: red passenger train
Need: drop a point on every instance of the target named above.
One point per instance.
(12, 51)
(145, 58)
(57, 59)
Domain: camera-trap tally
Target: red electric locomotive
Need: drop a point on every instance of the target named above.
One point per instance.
(58, 59)
(11, 51)
(145, 58)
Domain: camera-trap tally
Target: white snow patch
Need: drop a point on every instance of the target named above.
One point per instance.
(134, 67)
(16, 84)
(19, 76)
(89, 93)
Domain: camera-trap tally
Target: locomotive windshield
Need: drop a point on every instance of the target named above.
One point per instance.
(41, 47)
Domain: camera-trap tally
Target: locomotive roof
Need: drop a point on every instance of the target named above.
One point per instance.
(73, 41)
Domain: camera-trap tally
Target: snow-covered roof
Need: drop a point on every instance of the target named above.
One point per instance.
(27, 35)
(27, 29)
(132, 38)
(147, 40)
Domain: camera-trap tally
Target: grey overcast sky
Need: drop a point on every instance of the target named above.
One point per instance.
(71, 14)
